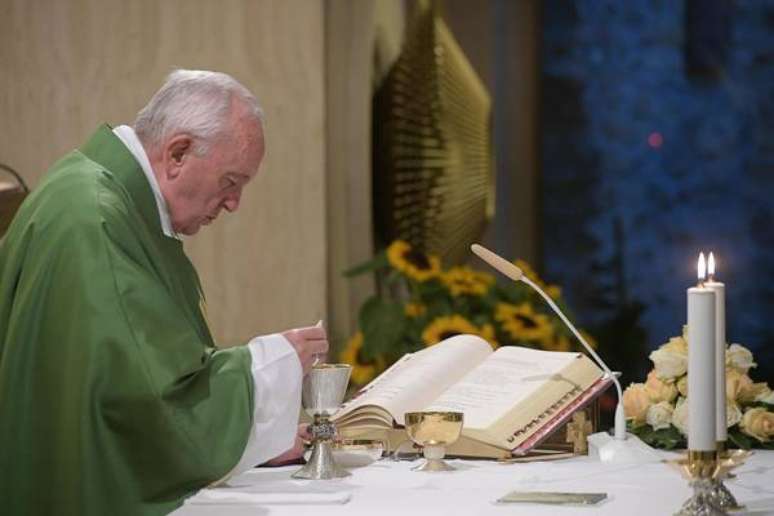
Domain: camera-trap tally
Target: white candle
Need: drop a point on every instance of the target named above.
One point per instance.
(701, 366)
(720, 350)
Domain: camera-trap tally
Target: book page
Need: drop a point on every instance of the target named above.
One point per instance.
(508, 376)
(417, 379)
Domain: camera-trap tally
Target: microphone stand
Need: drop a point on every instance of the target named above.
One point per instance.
(622, 447)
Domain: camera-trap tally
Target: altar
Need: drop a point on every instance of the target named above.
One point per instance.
(390, 488)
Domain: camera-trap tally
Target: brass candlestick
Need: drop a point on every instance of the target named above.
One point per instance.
(700, 468)
(727, 460)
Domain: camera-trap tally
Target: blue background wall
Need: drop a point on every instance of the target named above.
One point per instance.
(647, 161)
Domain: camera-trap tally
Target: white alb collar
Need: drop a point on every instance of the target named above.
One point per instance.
(129, 138)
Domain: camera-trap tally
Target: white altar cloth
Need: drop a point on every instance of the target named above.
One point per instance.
(390, 488)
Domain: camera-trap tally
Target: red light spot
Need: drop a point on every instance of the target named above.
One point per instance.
(655, 140)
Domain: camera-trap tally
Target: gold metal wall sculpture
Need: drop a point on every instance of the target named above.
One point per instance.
(433, 181)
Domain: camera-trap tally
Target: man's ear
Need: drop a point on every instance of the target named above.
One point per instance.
(176, 152)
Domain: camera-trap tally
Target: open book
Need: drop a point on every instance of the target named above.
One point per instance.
(510, 397)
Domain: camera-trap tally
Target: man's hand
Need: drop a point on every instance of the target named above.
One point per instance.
(310, 343)
(293, 455)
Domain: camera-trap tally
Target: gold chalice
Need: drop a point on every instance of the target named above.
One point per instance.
(433, 431)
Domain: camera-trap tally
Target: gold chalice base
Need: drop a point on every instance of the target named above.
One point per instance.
(433, 431)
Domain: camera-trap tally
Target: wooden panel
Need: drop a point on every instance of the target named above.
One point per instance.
(69, 65)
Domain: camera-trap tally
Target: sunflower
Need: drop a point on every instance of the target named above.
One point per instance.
(414, 264)
(553, 291)
(591, 341)
(362, 371)
(414, 309)
(450, 325)
(464, 280)
(488, 334)
(560, 343)
(523, 323)
(528, 271)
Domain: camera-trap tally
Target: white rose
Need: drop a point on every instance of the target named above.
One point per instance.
(759, 423)
(756, 390)
(766, 397)
(660, 390)
(680, 416)
(733, 413)
(669, 364)
(740, 358)
(660, 415)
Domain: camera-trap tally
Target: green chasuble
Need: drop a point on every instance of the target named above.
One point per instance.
(113, 399)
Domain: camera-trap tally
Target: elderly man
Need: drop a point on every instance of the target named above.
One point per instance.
(113, 396)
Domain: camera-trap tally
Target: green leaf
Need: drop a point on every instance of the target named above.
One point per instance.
(392, 277)
(666, 438)
(432, 288)
(383, 324)
(377, 262)
(741, 440)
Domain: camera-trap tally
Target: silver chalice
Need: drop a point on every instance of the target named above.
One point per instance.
(322, 393)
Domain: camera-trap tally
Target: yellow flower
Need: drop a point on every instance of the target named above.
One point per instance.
(414, 264)
(464, 280)
(528, 271)
(553, 291)
(560, 343)
(523, 323)
(636, 402)
(362, 371)
(414, 309)
(488, 334)
(591, 341)
(450, 325)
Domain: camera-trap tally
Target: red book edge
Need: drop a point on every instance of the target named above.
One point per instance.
(562, 416)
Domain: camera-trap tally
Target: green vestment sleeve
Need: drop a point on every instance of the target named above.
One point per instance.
(113, 399)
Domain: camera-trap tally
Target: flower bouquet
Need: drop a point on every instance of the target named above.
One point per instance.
(657, 410)
(419, 303)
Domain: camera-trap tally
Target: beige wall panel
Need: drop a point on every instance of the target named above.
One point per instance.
(68, 65)
(362, 38)
(349, 44)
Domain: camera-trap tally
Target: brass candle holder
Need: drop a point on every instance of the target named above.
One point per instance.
(706, 471)
(727, 460)
(700, 468)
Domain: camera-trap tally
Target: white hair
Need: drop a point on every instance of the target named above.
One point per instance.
(196, 102)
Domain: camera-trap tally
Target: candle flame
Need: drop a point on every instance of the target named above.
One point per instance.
(711, 265)
(702, 267)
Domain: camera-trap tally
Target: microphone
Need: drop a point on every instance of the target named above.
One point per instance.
(513, 272)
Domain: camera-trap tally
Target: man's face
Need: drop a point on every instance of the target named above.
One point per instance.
(197, 188)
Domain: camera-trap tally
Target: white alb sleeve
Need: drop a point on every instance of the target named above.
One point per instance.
(277, 376)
